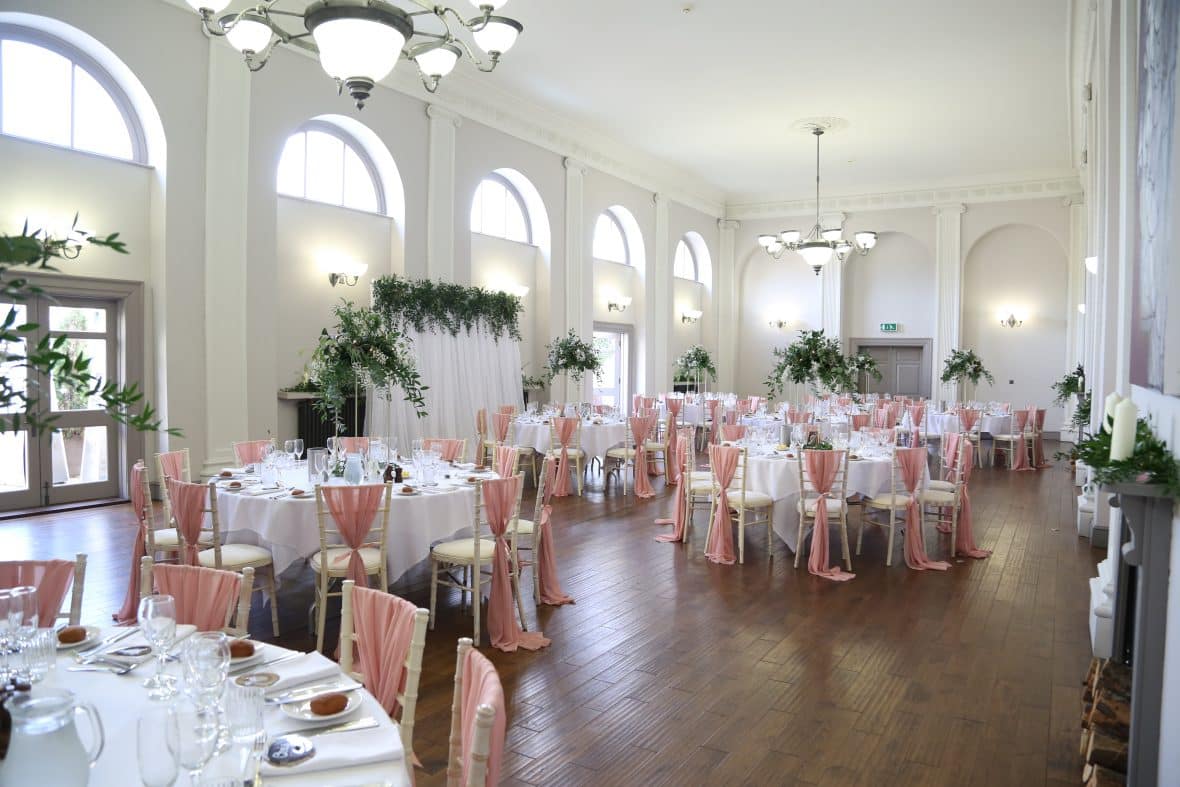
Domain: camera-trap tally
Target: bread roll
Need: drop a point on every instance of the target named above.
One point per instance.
(329, 704)
(71, 634)
(241, 648)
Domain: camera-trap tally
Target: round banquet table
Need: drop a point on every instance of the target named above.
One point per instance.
(596, 438)
(778, 476)
(690, 414)
(288, 528)
(937, 423)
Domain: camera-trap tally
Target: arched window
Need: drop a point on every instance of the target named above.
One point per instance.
(498, 209)
(323, 163)
(610, 242)
(53, 92)
(684, 264)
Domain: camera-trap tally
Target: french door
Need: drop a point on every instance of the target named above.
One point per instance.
(76, 458)
(612, 383)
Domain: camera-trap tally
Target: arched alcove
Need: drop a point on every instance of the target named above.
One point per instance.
(895, 283)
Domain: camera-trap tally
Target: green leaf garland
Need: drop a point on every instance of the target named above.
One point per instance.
(423, 304)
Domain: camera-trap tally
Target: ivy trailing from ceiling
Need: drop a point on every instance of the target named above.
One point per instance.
(426, 305)
(817, 360)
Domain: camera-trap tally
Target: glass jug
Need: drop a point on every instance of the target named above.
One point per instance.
(45, 747)
(354, 470)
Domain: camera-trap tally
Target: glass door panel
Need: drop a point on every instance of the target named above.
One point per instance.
(18, 479)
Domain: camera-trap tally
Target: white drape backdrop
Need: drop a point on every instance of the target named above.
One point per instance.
(464, 373)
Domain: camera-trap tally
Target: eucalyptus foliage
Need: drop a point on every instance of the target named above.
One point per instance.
(1070, 384)
(1149, 463)
(817, 360)
(965, 365)
(442, 306)
(572, 355)
(696, 361)
(56, 358)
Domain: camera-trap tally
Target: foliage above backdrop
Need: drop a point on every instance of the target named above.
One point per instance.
(1070, 384)
(57, 358)
(965, 365)
(1149, 463)
(573, 356)
(363, 350)
(423, 304)
(696, 361)
(817, 360)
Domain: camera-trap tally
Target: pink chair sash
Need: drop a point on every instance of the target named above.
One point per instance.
(675, 405)
(202, 595)
(968, 417)
(733, 432)
(803, 417)
(965, 537)
(481, 422)
(249, 452)
(917, 415)
(505, 458)
(719, 548)
(1039, 440)
(640, 428)
(670, 462)
(602, 409)
(1020, 457)
(481, 686)
(510, 409)
(448, 448)
(564, 428)
(188, 509)
(912, 461)
(546, 568)
(354, 445)
(384, 626)
(754, 402)
(499, 497)
(859, 421)
(128, 612)
(822, 467)
(173, 465)
(353, 509)
(501, 422)
(712, 405)
(52, 578)
(680, 513)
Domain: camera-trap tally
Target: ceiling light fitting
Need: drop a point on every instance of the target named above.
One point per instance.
(360, 41)
(820, 244)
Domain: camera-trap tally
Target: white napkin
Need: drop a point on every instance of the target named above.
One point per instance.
(308, 668)
(182, 632)
(347, 749)
(258, 491)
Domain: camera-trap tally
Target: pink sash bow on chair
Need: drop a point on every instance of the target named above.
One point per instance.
(859, 421)
(188, 509)
(917, 415)
(719, 548)
(128, 613)
(912, 462)
(505, 458)
(822, 467)
(968, 417)
(804, 417)
(640, 428)
(501, 422)
(354, 445)
(248, 453)
(481, 423)
(680, 513)
(202, 595)
(52, 578)
(712, 405)
(731, 432)
(965, 537)
(1039, 439)
(546, 568)
(448, 448)
(384, 626)
(670, 462)
(172, 464)
(499, 497)
(353, 508)
(481, 686)
(1020, 457)
(564, 427)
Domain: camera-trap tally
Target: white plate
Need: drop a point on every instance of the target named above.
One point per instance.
(91, 635)
(302, 710)
(247, 659)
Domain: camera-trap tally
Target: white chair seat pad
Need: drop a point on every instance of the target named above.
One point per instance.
(621, 453)
(235, 555)
(942, 486)
(651, 445)
(462, 550)
(808, 506)
(571, 451)
(167, 538)
(888, 501)
(524, 527)
(700, 487)
(937, 497)
(371, 556)
(748, 499)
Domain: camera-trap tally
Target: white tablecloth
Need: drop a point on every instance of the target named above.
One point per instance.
(288, 527)
(690, 414)
(779, 478)
(596, 438)
(121, 700)
(937, 423)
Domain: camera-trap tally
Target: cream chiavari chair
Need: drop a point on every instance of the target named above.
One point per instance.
(749, 507)
(894, 502)
(237, 611)
(471, 732)
(837, 499)
(574, 451)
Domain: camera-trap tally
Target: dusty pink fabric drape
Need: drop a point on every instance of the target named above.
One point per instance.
(724, 459)
(507, 408)
(250, 451)
(564, 427)
(965, 537)
(680, 513)
(499, 497)
(353, 509)
(173, 465)
(912, 461)
(733, 432)
(188, 509)
(481, 423)
(640, 427)
(859, 421)
(670, 462)
(675, 405)
(501, 422)
(202, 595)
(1020, 457)
(822, 467)
(546, 568)
(384, 626)
(754, 402)
(354, 445)
(52, 578)
(968, 417)
(804, 417)
(1039, 439)
(505, 458)
(917, 415)
(481, 686)
(712, 405)
(448, 448)
(139, 505)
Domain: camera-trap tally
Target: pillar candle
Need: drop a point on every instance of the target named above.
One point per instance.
(1112, 401)
(1122, 437)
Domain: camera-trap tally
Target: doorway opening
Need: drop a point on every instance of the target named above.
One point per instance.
(612, 385)
(904, 366)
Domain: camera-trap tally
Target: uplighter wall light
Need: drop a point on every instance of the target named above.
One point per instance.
(618, 304)
(342, 270)
(689, 316)
(1011, 321)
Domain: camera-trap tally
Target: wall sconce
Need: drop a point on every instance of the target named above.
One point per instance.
(780, 323)
(1091, 265)
(342, 270)
(515, 290)
(618, 304)
(1010, 320)
(689, 316)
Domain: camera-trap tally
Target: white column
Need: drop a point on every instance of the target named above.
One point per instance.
(1075, 321)
(948, 275)
(658, 304)
(579, 273)
(226, 178)
(727, 306)
(440, 193)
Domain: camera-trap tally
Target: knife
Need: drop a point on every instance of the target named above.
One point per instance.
(243, 668)
(111, 640)
(368, 722)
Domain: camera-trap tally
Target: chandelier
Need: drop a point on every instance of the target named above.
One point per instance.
(820, 244)
(360, 41)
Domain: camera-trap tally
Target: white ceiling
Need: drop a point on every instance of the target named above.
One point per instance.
(937, 92)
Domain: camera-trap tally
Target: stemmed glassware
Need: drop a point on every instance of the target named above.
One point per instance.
(157, 622)
(205, 665)
(198, 734)
(6, 633)
(158, 745)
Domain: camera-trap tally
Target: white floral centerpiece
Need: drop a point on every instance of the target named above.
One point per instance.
(572, 356)
(696, 365)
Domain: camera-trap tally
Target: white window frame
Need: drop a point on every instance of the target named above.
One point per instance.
(350, 142)
(610, 214)
(692, 255)
(515, 194)
(28, 35)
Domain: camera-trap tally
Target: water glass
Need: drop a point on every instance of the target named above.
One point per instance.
(157, 622)
(198, 733)
(39, 654)
(243, 712)
(22, 624)
(158, 744)
(6, 632)
(205, 665)
(298, 449)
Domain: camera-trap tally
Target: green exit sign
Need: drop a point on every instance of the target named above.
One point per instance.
(888, 327)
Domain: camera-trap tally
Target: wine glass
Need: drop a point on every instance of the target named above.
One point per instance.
(289, 448)
(158, 739)
(205, 664)
(298, 449)
(157, 621)
(198, 732)
(321, 462)
(6, 630)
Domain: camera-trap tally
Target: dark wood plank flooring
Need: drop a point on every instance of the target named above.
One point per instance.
(672, 670)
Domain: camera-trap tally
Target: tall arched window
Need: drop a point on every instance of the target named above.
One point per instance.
(610, 242)
(498, 209)
(684, 264)
(323, 163)
(53, 92)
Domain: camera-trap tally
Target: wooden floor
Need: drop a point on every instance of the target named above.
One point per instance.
(672, 670)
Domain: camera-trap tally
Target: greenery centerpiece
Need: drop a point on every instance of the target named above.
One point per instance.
(1149, 463)
(363, 350)
(962, 366)
(818, 360)
(55, 358)
(573, 356)
(424, 304)
(1071, 384)
(696, 366)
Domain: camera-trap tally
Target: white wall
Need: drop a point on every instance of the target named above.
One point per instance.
(686, 295)
(497, 263)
